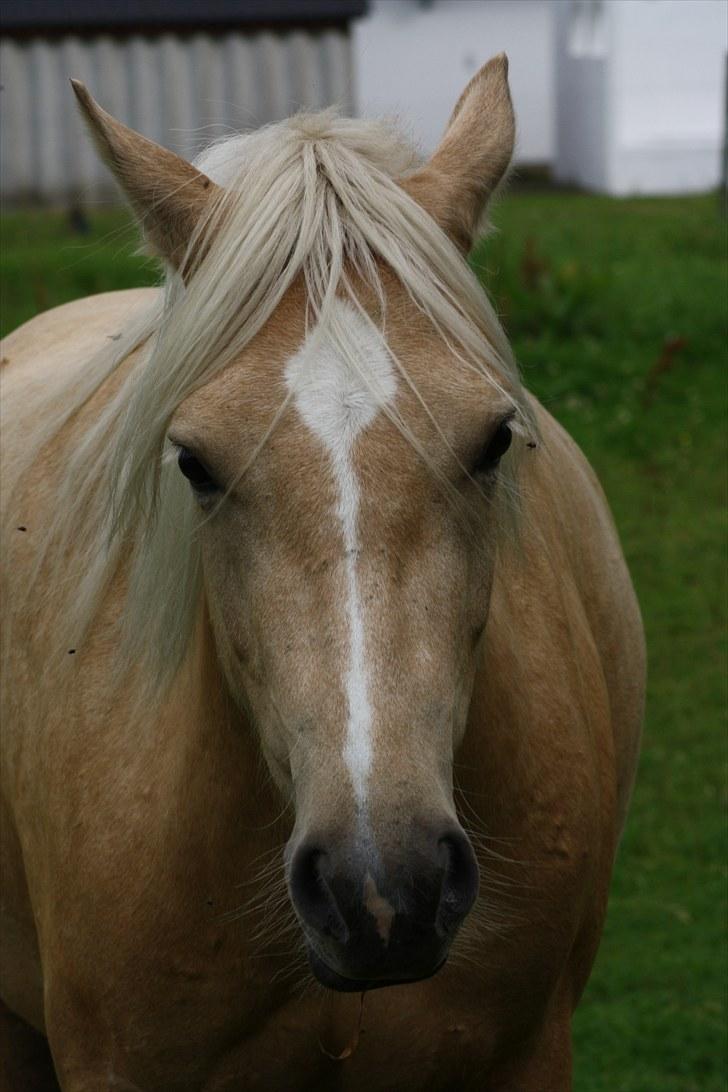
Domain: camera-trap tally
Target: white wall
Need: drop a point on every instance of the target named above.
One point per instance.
(412, 60)
(640, 94)
(620, 96)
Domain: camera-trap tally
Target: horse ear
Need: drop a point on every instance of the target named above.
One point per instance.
(168, 195)
(472, 157)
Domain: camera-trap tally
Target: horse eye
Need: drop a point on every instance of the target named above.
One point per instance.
(497, 446)
(197, 475)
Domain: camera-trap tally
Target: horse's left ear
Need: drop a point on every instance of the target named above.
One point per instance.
(472, 157)
(169, 196)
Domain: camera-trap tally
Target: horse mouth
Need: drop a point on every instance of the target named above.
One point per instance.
(343, 984)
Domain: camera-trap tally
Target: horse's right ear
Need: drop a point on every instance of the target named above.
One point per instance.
(169, 196)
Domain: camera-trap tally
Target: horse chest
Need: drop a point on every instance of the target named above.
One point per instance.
(337, 1044)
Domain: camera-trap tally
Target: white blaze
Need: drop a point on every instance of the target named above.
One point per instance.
(340, 378)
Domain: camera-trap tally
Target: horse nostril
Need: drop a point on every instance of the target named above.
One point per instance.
(460, 885)
(311, 894)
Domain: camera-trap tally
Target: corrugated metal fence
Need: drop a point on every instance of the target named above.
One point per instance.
(178, 90)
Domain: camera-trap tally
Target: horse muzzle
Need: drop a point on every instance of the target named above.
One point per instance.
(372, 920)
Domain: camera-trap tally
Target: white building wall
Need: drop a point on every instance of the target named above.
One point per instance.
(412, 60)
(641, 94)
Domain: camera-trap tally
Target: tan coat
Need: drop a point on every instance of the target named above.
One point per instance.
(123, 846)
(132, 833)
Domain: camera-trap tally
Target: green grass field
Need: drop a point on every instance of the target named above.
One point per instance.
(617, 311)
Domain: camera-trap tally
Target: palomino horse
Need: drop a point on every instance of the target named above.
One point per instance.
(323, 667)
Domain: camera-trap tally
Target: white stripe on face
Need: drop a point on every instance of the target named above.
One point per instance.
(340, 378)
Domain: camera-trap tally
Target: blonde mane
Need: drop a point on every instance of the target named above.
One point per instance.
(314, 197)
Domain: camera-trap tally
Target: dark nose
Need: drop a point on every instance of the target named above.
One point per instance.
(375, 919)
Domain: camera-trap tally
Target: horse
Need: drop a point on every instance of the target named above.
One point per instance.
(323, 670)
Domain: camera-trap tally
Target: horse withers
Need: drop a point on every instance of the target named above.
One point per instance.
(323, 672)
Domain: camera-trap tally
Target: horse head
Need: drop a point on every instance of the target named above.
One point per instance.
(332, 384)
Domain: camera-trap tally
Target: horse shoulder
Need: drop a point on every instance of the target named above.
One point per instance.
(585, 539)
(550, 753)
(54, 342)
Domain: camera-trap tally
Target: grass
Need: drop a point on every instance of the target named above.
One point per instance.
(617, 312)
